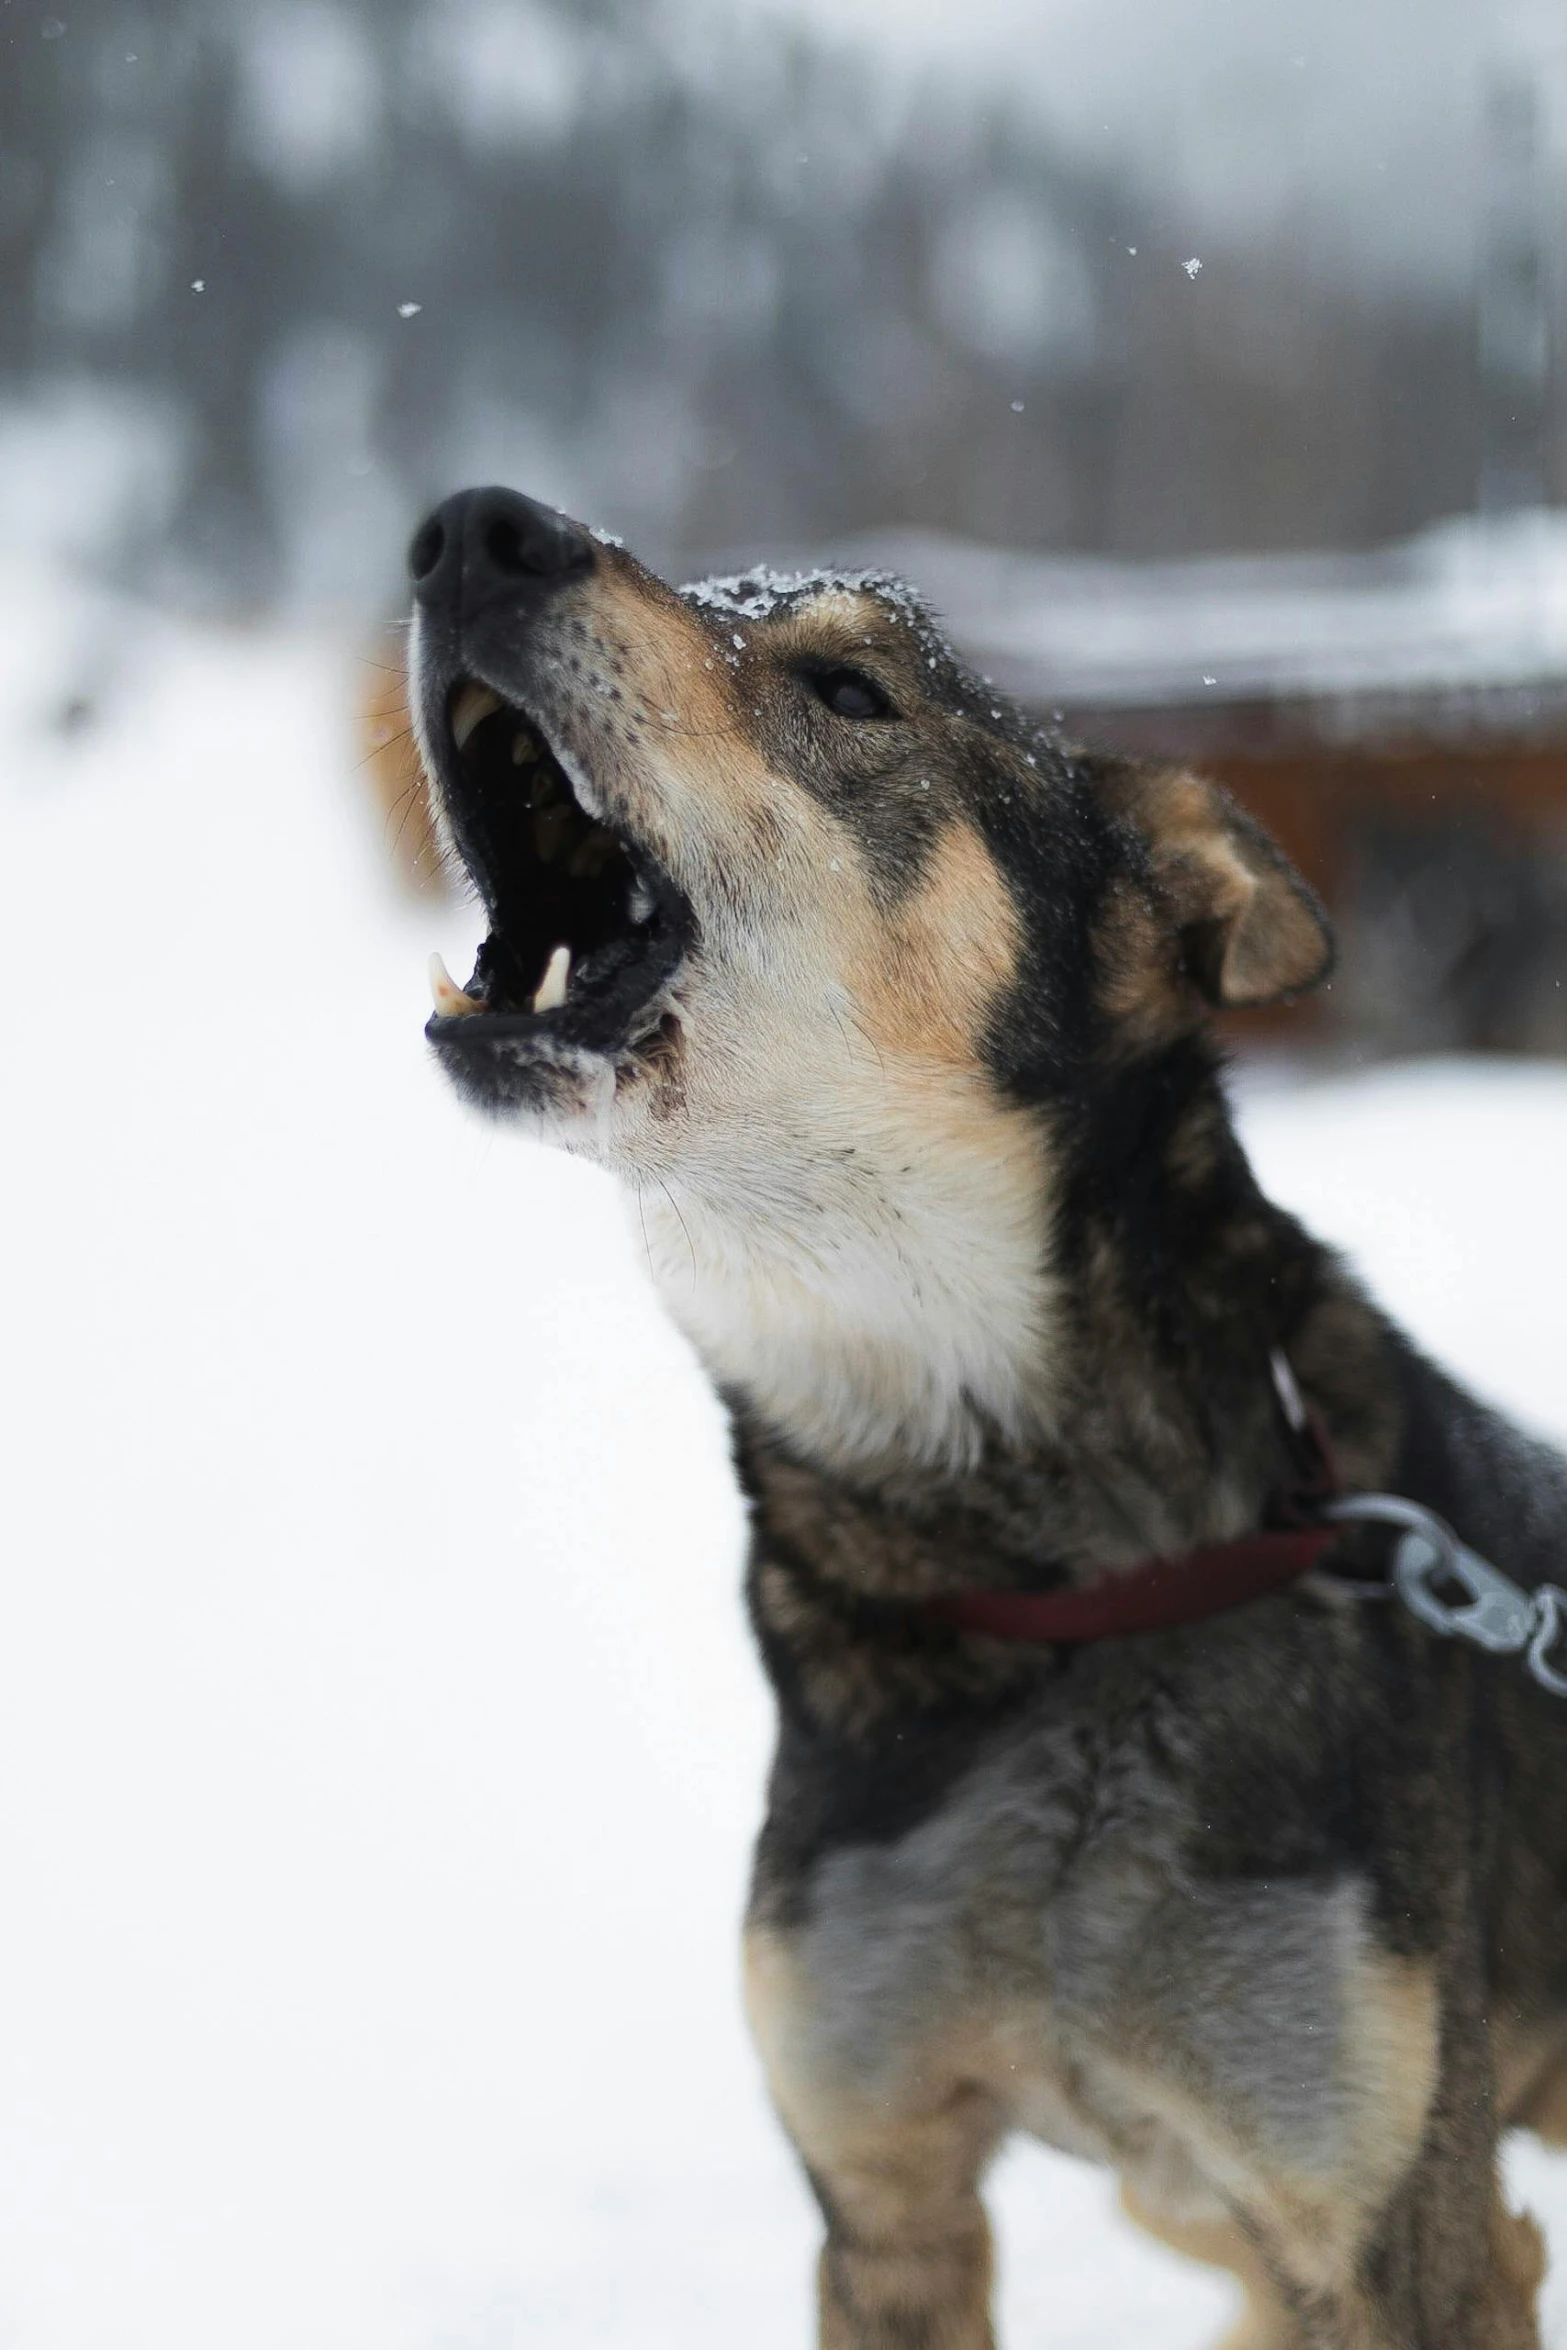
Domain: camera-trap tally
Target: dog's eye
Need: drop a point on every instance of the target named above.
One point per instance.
(850, 694)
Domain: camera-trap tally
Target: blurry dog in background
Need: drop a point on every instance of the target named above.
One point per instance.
(895, 1014)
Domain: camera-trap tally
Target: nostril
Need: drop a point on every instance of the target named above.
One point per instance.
(486, 543)
(429, 545)
(506, 548)
(512, 540)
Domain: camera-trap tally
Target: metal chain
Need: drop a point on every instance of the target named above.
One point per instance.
(1498, 1615)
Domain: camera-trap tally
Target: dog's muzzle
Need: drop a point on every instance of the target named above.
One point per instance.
(586, 930)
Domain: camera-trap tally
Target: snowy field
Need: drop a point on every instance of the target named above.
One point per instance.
(379, 1740)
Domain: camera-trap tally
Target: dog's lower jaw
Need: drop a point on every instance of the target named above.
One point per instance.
(554, 1093)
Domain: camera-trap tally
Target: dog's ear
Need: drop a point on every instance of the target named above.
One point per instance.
(1249, 930)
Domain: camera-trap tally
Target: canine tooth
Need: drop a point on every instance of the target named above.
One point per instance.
(524, 747)
(639, 902)
(450, 999)
(473, 704)
(551, 989)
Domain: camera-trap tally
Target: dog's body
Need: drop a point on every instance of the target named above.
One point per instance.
(891, 1013)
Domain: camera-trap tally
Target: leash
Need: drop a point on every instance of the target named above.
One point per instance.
(1495, 1613)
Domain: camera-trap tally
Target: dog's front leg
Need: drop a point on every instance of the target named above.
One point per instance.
(895, 2160)
(907, 2256)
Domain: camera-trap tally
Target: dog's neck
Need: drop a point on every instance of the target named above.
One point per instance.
(1152, 1426)
(1058, 1320)
(887, 1305)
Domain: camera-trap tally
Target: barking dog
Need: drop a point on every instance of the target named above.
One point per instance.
(894, 1013)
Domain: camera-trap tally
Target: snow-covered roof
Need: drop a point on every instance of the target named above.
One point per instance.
(1473, 606)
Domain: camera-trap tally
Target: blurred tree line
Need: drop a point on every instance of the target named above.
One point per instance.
(675, 267)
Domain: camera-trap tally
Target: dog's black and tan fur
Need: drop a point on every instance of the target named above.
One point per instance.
(902, 1046)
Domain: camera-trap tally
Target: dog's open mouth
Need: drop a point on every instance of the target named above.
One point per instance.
(585, 929)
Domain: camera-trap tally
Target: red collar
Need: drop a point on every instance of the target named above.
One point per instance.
(1164, 1592)
(1150, 1598)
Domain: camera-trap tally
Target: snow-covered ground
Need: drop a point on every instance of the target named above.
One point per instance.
(379, 1741)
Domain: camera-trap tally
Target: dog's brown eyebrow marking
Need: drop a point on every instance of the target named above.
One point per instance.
(832, 627)
(769, 596)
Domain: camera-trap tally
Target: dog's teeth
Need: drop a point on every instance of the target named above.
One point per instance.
(473, 704)
(639, 902)
(524, 747)
(450, 999)
(551, 989)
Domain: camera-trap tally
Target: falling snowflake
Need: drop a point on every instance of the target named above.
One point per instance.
(198, 285)
(1191, 267)
(409, 309)
(1017, 407)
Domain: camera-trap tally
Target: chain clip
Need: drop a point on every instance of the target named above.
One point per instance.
(1495, 1613)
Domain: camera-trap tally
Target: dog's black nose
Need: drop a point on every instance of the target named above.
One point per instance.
(484, 544)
